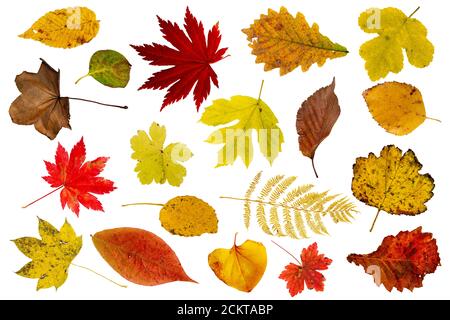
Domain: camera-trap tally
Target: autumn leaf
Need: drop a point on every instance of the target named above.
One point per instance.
(139, 256)
(51, 256)
(250, 114)
(186, 216)
(240, 267)
(315, 120)
(191, 58)
(305, 271)
(397, 107)
(396, 31)
(392, 182)
(280, 40)
(401, 261)
(78, 180)
(157, 163)
(40, 103)
(110, 68)
(64, 28)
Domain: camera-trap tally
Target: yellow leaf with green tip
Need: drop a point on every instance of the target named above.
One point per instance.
(51, 256)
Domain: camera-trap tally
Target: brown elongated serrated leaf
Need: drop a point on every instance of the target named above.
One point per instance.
(315, 120)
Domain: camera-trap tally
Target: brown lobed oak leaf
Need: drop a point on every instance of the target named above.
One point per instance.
(401, 261)
(139, 256)
(40, 103)
(315, 120)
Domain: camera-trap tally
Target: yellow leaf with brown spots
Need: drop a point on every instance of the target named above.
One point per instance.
(397, 107)
(64, 28)
(280, 40)
(188, 216)
(240, 267)
(392, 182)
(51, 256)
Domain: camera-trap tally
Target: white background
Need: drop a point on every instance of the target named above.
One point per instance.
(107, 133)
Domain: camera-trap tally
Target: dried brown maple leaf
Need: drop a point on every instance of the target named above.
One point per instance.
(315, 120)
(40, 102)
(401, 261)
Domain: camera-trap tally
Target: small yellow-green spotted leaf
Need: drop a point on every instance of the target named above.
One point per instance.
(250, 115)
(50, 256)
(396, 31)
(188, 216)
(110, 68)
(64, 28)
(156, 163)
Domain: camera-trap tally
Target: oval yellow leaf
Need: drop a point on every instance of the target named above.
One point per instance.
(188, 216)
(240, 267)
(397, 107)
(64, 28)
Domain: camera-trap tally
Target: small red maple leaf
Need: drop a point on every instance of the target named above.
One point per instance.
(306, 271)
(190, 59)
(77, 179)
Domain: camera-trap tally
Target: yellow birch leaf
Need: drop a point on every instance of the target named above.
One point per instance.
(156, 163)
(240, 267)
(283, 41)
(188, 216)
(392, 182)
(397, 107)
(51, 256)
(64, 28)
(396, 31)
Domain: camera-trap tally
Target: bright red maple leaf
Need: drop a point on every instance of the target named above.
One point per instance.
(190, 59)
(306, 272)
(78, 179)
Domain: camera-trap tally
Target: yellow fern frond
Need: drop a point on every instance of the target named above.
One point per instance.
(270, 184)
(300, 224)
(281, 188)
(248, 194)
(288, 226)
(297, 192)
(275, 222)
(261, 218)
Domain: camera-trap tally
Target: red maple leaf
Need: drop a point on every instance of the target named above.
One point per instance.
(77, 179)
(190, 59)
(401, 261)
(306, 271)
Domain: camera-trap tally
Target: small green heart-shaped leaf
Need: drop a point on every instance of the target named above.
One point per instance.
(110, 68)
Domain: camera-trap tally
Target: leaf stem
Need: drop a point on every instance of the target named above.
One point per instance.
(143, 204)
(100, 103)
(300, 264)
(100, 275)
(51, 192)
(375, 220)
(433, 119)
(314, 168)
(415, 11)
(260, 91)
(81, 78)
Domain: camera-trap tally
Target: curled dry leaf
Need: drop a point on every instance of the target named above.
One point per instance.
(396, 31)
(401, 261)
(280, 40)
(397, 107)
(315, 120)
(110, 68)
(64, 28)
(157, 163)
(240, 267)
(51, 255)
(139, 256)
(392, 182)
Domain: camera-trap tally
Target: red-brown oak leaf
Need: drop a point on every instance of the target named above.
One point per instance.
(401, 261)
(190, 60)
(78, 179)
(306, 272)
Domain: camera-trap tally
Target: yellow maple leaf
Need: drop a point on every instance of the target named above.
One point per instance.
(282, 41)
(397, 107)
(64, 28)
(156, 163)
(392, 182)
(396, 32)
(51, 256)
(240, 267)
(251, 114)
